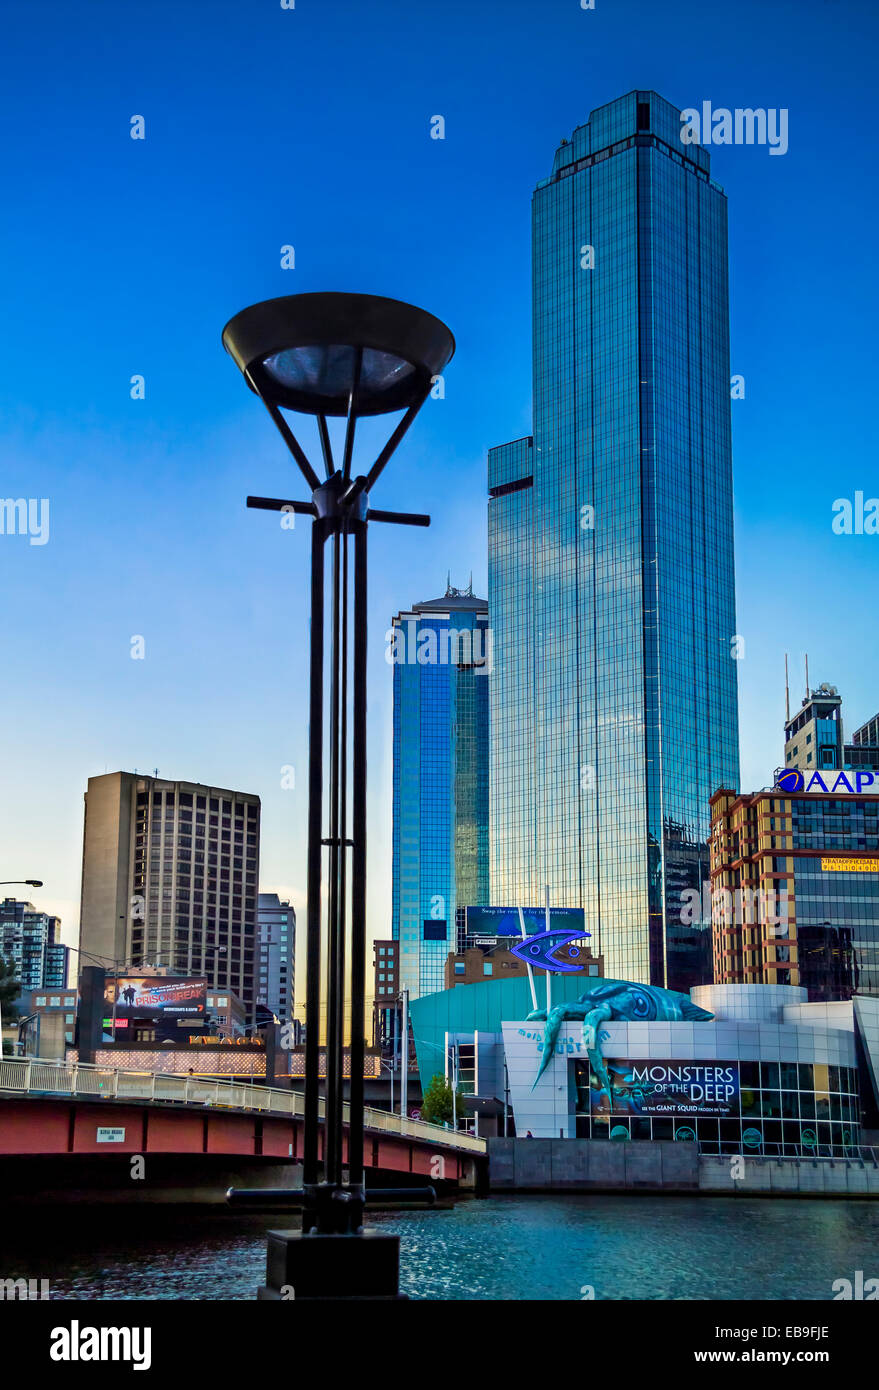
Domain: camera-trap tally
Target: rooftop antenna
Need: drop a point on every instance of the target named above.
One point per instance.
(786, 691)
(807, 675)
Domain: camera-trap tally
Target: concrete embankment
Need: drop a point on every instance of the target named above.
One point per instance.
(582, 1165)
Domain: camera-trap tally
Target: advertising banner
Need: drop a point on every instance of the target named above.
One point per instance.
(492, 922)
(166, 1002)
(669, 1088)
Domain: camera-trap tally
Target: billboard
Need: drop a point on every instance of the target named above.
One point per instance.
(492, 922)
(668, 1088)
(165, 1002)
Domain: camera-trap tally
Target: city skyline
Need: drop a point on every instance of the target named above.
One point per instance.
(148, 533)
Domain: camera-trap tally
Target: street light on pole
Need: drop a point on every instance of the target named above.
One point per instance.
(343, 356)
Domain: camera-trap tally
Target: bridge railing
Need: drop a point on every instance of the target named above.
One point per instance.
(38, 1077)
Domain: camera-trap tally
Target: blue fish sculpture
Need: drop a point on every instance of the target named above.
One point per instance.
(607, 1000)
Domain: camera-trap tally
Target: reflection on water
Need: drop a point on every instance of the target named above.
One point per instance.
(544, 1247)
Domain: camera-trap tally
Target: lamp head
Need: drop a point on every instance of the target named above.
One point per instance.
(326, 353)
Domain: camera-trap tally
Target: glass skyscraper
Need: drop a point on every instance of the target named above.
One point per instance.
(611, 582)
(442, 656)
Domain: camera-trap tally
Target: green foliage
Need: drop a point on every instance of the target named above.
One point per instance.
(437, 1102)
(10, 988)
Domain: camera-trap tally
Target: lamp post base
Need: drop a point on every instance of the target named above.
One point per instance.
(312, 1266)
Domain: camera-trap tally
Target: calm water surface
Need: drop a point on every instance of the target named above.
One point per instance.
(500, 1248)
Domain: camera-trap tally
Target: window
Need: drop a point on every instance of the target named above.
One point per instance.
(487, 968)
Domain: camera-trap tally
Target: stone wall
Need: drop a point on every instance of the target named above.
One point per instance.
(770, 1178)
(584, 1164)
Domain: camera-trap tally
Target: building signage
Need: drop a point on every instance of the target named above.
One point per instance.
(111, 1136)
(540, 950)
(505, 921)
(669, 1088)
(848, 784)
(850, 866)
(161, 1001)
(215, 1040)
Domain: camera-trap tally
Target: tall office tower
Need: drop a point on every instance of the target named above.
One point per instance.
(277, 952)
(169, 877)
(611, 582)
(29, 940)
(442, 655)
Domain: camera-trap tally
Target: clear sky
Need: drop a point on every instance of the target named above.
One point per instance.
(311, 127)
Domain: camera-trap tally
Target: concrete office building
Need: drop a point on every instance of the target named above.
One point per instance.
(169, 877)
(29, 940)
(277, 956)
(795, 885)
(814, 737)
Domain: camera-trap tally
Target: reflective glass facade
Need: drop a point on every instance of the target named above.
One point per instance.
(611, 583)
(442, 659)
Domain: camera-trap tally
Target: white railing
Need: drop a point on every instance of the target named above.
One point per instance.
(37, 1077)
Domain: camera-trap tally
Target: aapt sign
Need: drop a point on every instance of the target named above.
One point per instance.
(848, 783)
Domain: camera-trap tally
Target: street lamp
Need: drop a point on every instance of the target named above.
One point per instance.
(343, 356)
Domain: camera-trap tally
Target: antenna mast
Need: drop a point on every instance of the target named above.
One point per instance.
(786, 691)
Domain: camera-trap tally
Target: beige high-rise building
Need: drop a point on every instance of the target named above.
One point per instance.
(169, 877)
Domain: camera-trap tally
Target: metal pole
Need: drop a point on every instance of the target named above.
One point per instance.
(358, 864)
(313, 915)
(336, 908)
(547, 972)
(404, 1075)
(528, 963)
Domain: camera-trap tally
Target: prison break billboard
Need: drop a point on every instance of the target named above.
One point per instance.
(669, 1088)
(168, 1002)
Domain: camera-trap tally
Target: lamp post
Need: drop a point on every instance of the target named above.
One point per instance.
(30, 883)
(343, 356)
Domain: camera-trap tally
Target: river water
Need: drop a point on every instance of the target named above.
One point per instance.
(509, 1247)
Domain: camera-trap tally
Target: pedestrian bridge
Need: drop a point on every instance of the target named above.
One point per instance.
(64, 1112)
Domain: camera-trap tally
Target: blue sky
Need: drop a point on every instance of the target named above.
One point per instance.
(310, 127)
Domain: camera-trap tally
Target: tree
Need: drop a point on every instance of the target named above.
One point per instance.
(437, 1102)
(10, 988)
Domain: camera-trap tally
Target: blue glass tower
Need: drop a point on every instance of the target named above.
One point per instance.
(442, 656)
(611, 581)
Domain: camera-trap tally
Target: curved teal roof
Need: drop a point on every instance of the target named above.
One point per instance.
(480, 1008)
